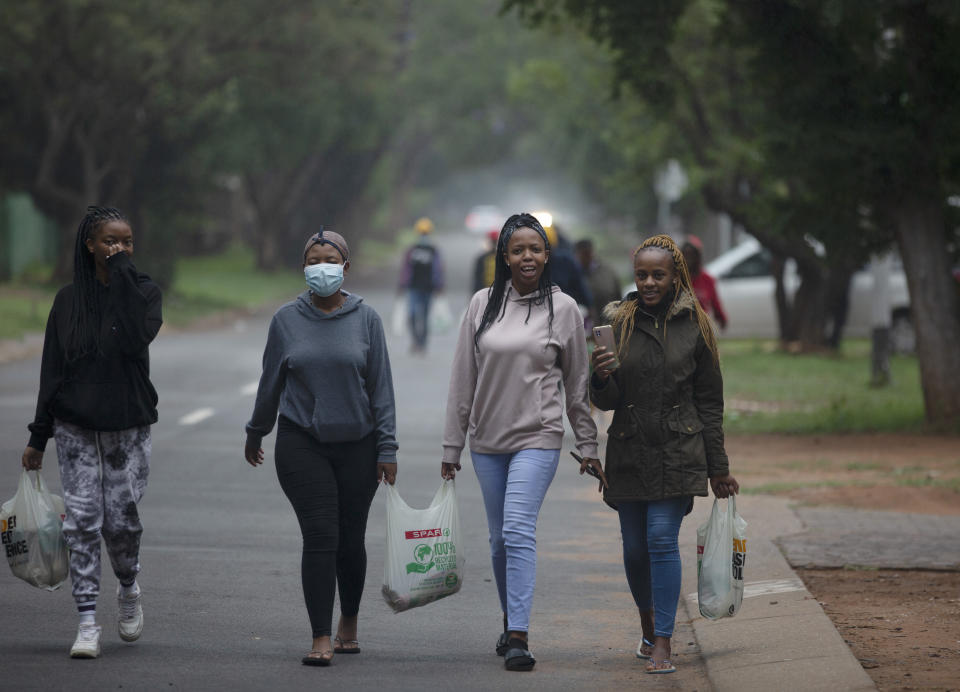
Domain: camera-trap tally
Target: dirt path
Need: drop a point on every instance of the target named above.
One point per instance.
(893, 472)
(903, 626)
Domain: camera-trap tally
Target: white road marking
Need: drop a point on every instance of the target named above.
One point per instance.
(249, 389)
(194, 417)
(765, 588)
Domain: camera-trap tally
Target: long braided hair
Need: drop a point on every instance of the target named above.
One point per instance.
(84, 338)
(625, 314)
(496, 307)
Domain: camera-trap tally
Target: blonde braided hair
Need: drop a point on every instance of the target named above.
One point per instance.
(625, 314)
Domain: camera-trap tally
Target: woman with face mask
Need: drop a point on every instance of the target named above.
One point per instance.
(327, 373)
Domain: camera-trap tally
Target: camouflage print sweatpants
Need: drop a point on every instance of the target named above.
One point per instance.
(103, 476)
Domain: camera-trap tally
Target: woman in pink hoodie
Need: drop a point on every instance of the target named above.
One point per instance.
(521, 359)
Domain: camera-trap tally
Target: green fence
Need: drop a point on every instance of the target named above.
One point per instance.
(26, 236)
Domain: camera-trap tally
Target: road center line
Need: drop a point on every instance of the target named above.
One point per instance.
(249, 389)
(195, 417)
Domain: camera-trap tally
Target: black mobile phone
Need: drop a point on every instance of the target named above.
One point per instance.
(592, 471)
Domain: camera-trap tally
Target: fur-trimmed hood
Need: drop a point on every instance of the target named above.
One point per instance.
(684, 302)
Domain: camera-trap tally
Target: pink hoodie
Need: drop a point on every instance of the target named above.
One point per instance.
(509, 392)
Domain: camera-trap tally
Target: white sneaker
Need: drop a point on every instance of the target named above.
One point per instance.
(87, 644)
(130, 623)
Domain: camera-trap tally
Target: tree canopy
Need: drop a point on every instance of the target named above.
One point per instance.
(829, 119)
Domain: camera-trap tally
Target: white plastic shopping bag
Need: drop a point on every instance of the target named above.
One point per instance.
(31, 532)
(721, 556)
(399, 316)
(424, 559)
(441, 317)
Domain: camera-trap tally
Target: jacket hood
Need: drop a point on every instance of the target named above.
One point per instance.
(513, 295)
(305, 306)
(683, 303)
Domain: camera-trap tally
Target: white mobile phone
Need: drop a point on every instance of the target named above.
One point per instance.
(603, 336)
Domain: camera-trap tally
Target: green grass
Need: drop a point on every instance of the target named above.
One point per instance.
(780, 487)
(228, 281)
(815, 393)
(930, 482)
(23, 309)
(201, 286)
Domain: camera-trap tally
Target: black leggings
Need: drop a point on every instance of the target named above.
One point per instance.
(330, 486)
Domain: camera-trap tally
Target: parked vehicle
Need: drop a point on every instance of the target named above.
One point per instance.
(483, 218)
(746, 286)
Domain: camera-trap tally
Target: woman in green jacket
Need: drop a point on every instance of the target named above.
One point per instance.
(666, 439)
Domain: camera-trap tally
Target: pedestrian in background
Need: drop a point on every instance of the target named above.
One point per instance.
(666, 439)
(565, 271)
(704, 285)
(97, 402)
(601, 279)
(521, 349)
(485, 265)
(327, 372)
(421, 276)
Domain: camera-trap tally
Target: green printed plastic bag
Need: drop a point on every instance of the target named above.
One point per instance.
(31, 534)
(424, 561)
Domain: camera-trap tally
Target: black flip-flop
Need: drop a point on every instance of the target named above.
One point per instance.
(518, 657)
(309, 660)
(339, 648)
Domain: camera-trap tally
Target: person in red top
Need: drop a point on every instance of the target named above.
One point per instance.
(704, 285)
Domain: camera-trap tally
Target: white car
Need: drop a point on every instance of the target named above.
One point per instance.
(746, 286)
(484, 218)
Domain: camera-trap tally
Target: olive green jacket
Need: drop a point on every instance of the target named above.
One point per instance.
(667, 397)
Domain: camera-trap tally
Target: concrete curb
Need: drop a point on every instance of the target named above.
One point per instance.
(781, 638)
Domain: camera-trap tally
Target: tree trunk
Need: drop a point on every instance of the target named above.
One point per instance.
(933, 305)
(784, 307)
(809, 314)
(837, 303)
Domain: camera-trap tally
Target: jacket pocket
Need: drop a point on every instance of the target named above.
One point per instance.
(623, 431)
(684, 421)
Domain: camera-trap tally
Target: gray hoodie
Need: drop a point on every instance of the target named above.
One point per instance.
(329, 374)
(508, 395)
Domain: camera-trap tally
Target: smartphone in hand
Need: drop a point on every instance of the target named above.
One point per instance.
(590, 470)
(603, 336)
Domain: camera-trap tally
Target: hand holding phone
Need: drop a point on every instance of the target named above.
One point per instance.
(603, 336)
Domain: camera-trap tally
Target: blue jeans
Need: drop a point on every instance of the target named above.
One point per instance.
(651, 556)
(419, 304)
(513, 487)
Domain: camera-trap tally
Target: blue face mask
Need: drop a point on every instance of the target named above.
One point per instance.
(324, 279)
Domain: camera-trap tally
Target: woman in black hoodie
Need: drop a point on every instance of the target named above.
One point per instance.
(96, 400)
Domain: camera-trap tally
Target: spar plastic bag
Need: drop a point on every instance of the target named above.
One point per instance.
(31, 533)
(424, 561)
(721, 557)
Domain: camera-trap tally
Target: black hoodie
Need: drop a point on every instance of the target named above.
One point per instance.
(111, 389)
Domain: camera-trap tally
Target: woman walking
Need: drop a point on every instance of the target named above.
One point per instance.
(666, 439)
(327, 372)
(97, 402)
(521, 350)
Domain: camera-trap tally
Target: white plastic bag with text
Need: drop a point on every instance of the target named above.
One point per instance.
(424, 560)
(31, 534)
(721, 557)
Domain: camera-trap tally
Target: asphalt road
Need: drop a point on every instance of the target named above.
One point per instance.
(221, 549)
